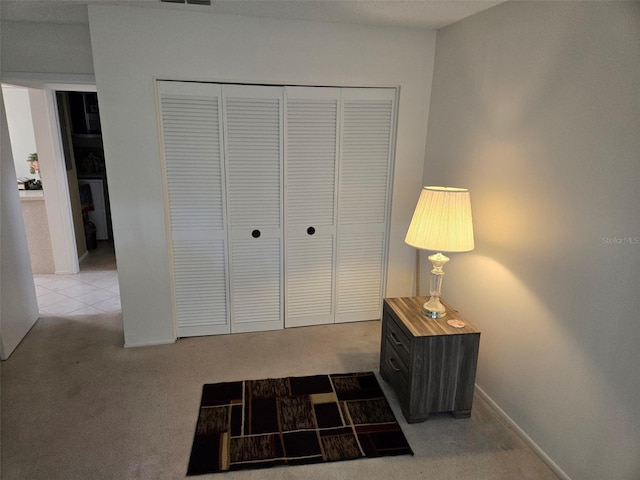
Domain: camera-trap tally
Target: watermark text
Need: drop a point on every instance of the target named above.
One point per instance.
(622, 240)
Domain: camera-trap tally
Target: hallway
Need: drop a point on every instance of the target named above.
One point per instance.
(94, 290)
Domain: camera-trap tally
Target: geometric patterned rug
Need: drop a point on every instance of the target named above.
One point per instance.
(293, 421)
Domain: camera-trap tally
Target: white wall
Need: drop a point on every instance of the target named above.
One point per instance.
(20, 124)
(536, 108)
(44, 48)
(18, 305)
(131, 46)
(54, 180)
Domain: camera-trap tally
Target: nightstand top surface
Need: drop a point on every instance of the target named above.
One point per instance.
(409, 311)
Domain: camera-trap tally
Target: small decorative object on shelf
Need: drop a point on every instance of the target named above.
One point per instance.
(34, 165)
(25, 183)
(455, 323)
(430, 363)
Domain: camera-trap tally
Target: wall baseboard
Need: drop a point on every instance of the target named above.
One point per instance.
(149, 344)
(64, 272)
(526, 438)
(83, 256)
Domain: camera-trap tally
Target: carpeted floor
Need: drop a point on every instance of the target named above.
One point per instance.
(293, 421)
(76, 405)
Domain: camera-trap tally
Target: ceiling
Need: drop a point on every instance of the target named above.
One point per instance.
(430, 14)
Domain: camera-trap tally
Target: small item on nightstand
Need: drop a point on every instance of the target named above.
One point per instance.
(455, 323)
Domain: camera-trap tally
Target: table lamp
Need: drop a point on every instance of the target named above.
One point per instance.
(441, 223)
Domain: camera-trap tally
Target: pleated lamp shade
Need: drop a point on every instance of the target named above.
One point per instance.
(442, 221)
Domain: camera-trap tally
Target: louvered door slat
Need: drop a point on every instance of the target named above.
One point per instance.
(253, 154)
(194, 180)
(309, 281)
(311, 124)
(366, 145)
(360, 277)
(311, 160)
(201, 292)
(256, 286)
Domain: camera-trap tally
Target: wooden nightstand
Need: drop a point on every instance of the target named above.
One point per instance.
(431, 365)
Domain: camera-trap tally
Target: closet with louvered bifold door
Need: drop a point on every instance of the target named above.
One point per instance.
(277, 203)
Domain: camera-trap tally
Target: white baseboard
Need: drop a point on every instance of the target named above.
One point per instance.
(527, 439)
(83, 256)
(64, 272)
(149, 344)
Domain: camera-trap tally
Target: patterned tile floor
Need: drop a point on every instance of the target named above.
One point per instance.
(94, 290)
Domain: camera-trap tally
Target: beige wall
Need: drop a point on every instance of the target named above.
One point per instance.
(536, 109)
(38, 238)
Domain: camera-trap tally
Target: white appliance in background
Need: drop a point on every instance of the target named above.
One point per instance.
(99, 214)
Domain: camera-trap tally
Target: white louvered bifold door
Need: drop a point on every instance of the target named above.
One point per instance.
(191, 125)
(367, 133)
(311, 142)
(253, 152)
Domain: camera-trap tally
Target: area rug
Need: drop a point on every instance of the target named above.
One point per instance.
(293, 421)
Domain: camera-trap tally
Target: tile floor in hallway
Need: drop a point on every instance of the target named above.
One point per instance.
(81, 294)
(94, 290)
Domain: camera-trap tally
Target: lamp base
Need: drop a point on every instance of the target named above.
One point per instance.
(433, 308)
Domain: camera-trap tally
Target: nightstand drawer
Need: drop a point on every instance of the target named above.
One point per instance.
(395, 370)
(396, 336)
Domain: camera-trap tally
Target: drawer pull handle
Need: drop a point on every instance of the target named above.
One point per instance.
(395, 369)
(395, 340)
(255, 234)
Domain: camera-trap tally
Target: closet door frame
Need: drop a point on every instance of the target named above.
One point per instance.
(283, 228)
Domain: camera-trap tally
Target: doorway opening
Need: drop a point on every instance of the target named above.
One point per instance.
(95, 289)
(81, 137)
(66, 127)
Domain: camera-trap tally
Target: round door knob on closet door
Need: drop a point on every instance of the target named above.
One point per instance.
(255, 233)
(311, 230)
